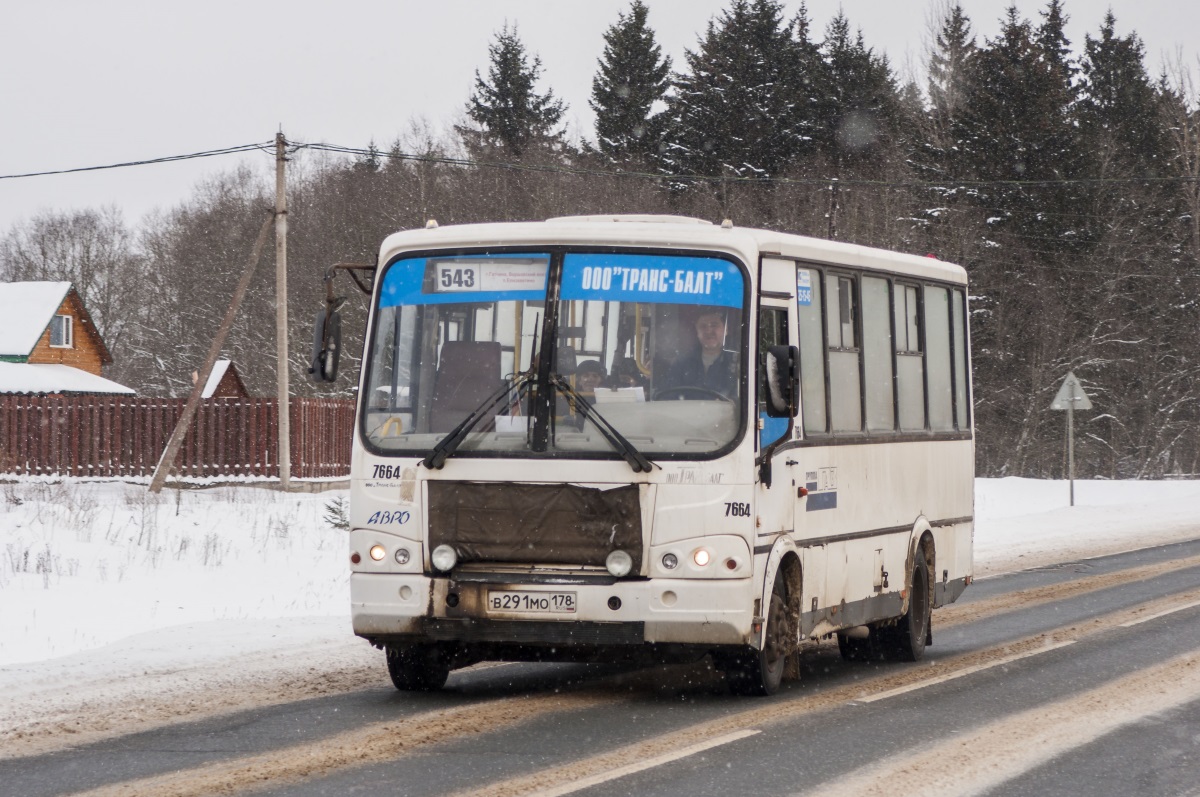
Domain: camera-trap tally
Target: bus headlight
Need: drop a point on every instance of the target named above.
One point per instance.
(701, 557)
(444, 558)
(670, 561)
(402, 556)
(378, 552)
(619, 563)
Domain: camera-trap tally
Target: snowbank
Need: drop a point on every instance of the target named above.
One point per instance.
(85, 564)
(1023, 523)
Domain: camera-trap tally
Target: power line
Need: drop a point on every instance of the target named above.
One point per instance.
(658, 176)
(737, 180)
(148, 161)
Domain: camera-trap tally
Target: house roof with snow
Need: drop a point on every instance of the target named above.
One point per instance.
(214, 379)
(26, 310)
(223, 382)
(48, 379)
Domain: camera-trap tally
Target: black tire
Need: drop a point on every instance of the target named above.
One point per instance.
(417, 668)
(905, 641)
(756, 672)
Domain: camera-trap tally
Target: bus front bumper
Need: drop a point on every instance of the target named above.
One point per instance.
(682, 611)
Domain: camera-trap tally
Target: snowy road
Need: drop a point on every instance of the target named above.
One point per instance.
(1081, 678)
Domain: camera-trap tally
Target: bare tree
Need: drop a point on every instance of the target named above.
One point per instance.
(91, 249)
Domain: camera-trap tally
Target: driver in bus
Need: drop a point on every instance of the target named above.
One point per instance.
(710, 366)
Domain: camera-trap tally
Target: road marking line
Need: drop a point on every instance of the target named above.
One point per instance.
(629, 769)
(1157, 615)
(960, 673)
(979, 760)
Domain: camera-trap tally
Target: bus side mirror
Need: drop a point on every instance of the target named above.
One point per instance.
(783, 381)
(327, 346)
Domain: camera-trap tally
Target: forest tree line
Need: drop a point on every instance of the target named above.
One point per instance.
(1065, 177)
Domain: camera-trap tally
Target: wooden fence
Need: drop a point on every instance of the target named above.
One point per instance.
(124, 437)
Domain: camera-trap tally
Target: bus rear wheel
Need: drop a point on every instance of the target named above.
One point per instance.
(906, 640)
(760, 671)
(417, 668)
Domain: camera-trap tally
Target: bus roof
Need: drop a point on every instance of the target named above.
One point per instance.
(670, 232)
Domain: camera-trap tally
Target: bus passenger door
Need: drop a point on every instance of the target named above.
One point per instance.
(776, 504)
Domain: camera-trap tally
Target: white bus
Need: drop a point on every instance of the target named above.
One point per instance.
(605, 437)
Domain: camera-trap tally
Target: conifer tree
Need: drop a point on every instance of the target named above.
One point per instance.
(733, 112)
(1119, 111)
(810, 89)
(632, 77)
(507, 105)
(369, 162)
(950, 66)
(1060, 142)
(863, 99)
(1136, 226)
(1018, 126)
(1052, 39)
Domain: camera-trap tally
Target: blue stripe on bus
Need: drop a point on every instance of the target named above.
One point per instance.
(406, 283)
(652, 279)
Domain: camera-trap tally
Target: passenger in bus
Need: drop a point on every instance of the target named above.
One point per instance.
(710, 366)
(589, 375)
(625, 373)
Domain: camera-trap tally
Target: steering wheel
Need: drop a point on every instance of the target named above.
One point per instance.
(688, 392)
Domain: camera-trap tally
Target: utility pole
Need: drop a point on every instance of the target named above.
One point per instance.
(281, 315)
(167, 460)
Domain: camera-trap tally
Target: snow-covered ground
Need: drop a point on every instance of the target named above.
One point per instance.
(109, 594)
(85, 565)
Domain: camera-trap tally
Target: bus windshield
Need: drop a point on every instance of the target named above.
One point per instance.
(653, 343)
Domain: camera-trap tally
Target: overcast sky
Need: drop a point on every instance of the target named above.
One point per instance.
(89, 83)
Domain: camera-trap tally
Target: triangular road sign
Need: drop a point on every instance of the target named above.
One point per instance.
(1071, 395)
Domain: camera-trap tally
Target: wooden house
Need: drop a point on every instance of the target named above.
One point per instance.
(49, 344)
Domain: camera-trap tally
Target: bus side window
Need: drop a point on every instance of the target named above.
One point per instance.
(845, 388)
(910, 365)
(772, 331)
(962, 416)
(937, 360)
(812, 350)
(877, 355)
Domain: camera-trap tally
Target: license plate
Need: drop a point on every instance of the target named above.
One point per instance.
(532, 602)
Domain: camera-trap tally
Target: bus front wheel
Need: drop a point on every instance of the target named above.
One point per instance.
(417, 668)
(760, 671)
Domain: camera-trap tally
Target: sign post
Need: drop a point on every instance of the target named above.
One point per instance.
(1071, 397)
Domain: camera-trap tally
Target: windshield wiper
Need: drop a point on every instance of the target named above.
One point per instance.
(635, 458)
(454, 438)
